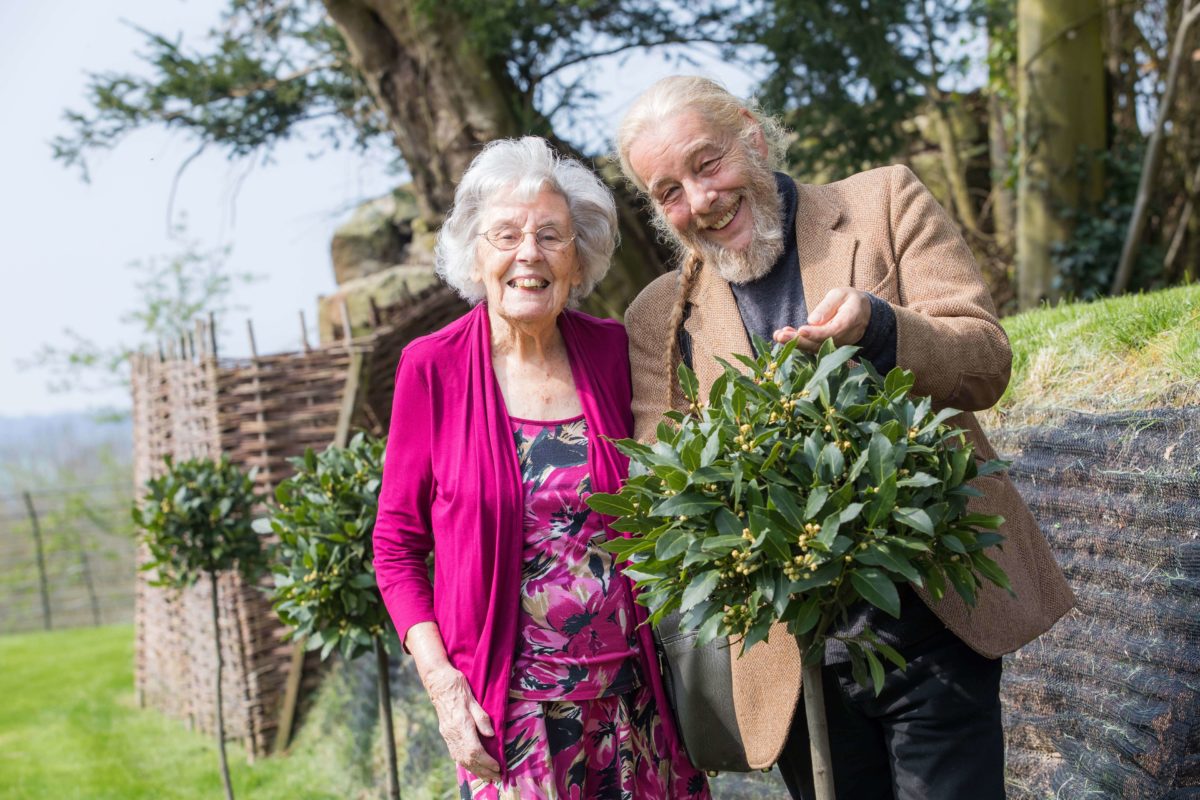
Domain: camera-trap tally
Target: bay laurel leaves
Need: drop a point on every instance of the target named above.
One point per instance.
(877, 589)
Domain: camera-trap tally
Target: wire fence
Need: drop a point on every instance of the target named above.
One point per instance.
(66, 558)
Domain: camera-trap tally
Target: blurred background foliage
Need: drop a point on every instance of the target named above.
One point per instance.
(970, 93)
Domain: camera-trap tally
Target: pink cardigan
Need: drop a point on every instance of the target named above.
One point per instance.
(451, 485)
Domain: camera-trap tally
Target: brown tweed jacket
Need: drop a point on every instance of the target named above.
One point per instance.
(880, 231)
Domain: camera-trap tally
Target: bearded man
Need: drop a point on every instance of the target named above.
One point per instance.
(871, 261)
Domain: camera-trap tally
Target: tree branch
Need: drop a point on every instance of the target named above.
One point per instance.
(1153, 160)
(274, 83)
(612, 51)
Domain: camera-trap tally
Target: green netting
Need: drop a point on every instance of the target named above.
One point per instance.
(1107, 704)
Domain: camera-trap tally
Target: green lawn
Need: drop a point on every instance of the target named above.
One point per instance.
(1134, 352)
(70, 728)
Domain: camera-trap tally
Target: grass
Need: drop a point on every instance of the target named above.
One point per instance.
(1134, 352)
(71, 728)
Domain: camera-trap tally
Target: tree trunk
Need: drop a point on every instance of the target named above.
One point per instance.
(952, 166)
(216, 620)
(1060, 117)
(1004, 202)
(1002, 80)
(443, 101)
(1154, 151)
(383, 681)
(818, 726)
(1171, 272)
(1121, 67)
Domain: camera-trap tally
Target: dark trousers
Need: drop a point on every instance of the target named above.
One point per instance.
(933, 733)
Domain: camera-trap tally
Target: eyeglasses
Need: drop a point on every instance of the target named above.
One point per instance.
(509, 237)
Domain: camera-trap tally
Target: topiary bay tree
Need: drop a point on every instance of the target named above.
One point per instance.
(197, 520)
(801, 488)
(324, 573)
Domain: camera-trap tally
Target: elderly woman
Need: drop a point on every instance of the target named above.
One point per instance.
(527, 639)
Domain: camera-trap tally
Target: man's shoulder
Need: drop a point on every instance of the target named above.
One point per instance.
(867, 184)
(863, 202)
(655, 301)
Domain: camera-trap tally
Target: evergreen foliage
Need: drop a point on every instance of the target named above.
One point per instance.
(800, 489)
(267, 69)
(196, 520)
(324, 576)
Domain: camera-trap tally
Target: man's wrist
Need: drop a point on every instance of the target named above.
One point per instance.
(878, 342)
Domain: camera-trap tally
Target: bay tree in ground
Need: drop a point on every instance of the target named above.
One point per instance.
(802, 488)
(196, 521)
(324, 572)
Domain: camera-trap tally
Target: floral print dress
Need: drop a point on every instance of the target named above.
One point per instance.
(581, 721)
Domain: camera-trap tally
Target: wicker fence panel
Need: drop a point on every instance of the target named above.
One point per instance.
(425, 311)
(260, 412)
(271, 409)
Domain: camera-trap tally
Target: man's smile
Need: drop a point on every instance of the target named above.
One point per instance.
(726, 218)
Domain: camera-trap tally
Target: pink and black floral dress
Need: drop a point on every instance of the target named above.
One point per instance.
(581, 721)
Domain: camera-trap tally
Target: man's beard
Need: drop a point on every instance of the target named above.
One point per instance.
(766, 240)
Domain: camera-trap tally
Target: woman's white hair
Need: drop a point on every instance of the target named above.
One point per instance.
(522, 168)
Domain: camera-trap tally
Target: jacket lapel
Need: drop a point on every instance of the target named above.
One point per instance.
(826, 255)
(715, 326)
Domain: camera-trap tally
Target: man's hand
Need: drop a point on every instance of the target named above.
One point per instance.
(461, 720)
(842, 316)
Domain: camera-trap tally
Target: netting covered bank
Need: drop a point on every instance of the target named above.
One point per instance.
(1107, 704)
(260, 411)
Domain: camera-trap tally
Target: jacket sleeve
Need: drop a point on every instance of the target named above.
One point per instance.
(946, 327)
(403, 535)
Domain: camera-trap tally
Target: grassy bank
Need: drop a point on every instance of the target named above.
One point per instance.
(1117, 354)
(70, 728)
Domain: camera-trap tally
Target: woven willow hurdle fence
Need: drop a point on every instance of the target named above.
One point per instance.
(260, 411)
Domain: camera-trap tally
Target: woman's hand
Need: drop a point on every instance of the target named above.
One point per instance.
(461, 721)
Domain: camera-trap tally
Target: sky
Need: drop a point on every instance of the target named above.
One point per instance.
(67, 244)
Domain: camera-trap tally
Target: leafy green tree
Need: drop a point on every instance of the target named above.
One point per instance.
(430, 81)
(324, 573)
(196, 521)
(433, 79)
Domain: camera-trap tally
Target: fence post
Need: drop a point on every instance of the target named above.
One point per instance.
(41, 560)
(87, 577)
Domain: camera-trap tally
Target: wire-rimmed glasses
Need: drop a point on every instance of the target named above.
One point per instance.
(509, 237)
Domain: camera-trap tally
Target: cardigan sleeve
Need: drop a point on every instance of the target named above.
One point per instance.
(403, 533)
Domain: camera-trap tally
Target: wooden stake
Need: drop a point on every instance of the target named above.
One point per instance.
(818, 725)
(212, 333)
(87, 577)
(304, 333)
(201, 341)
(250, 333)
(384, 684)
(345, 321)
